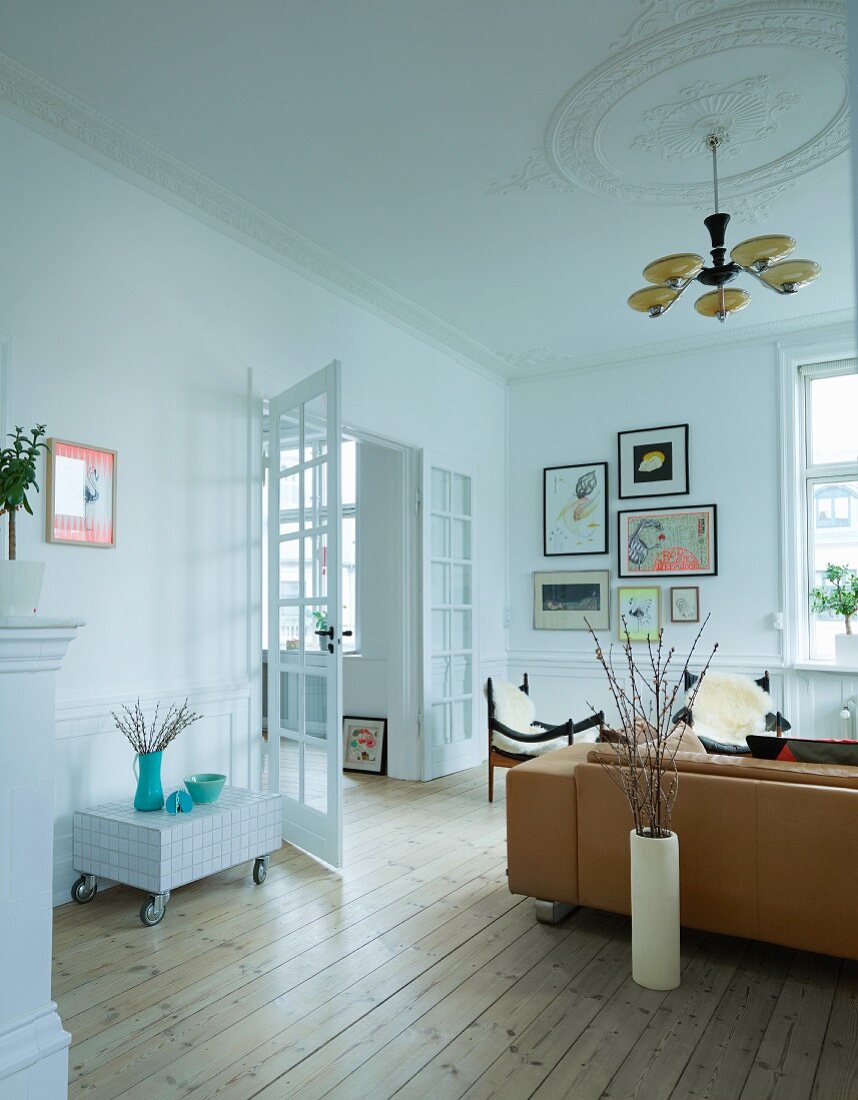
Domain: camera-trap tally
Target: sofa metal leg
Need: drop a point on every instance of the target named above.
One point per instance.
(552, 912)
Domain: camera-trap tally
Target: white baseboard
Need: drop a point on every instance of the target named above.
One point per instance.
(34, 1055)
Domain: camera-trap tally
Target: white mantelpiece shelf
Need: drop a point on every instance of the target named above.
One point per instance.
(33, 1044)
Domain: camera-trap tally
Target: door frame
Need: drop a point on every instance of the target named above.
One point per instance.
(361, 424)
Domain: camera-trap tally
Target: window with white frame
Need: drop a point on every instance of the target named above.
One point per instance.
(316, 565)
(828, 460)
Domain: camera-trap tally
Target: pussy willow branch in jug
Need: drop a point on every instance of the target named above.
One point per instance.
(153, 738)
(644, 765)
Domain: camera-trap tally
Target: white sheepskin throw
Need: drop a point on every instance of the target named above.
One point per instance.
(729, 707)
(512, 707)
(515, 709)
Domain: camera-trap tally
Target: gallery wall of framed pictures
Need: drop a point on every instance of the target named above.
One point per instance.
(653, 543)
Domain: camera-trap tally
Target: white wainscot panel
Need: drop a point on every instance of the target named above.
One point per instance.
(817, 700)
(94, 762)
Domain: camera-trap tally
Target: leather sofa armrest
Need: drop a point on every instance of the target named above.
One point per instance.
(542, 826)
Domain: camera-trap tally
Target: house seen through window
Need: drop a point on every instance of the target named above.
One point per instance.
(830, 484)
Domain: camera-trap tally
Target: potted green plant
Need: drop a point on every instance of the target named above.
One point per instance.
(20, 581)
(839, 596)
(321, 620)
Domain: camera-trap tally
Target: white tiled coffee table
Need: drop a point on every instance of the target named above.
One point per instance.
(157, 851)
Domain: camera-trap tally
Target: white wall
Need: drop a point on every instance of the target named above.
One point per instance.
(133, 326)
(730, 402)
(373, 678)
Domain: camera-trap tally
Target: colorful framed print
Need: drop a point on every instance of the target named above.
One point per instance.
(364, 744)
(685, 605)
(575, 509)
(669, 542)
(654, 461)
(568, 601)
(639, 617)
(81, 494)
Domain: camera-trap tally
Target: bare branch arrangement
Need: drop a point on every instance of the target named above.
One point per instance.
(644, 767)
(154, 738)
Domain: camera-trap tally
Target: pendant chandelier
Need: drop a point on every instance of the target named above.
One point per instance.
(764, 258)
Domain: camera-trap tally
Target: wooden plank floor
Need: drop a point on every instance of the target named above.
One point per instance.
(416, 973)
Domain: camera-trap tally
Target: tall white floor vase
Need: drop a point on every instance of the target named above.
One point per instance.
(655, 911)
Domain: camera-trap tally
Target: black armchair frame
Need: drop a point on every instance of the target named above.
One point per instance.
(498, 758)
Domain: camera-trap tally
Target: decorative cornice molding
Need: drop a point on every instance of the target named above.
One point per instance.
(670, 33)
(545, 362)
(43, 106)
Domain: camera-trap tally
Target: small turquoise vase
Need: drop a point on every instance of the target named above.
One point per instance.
(150, 795)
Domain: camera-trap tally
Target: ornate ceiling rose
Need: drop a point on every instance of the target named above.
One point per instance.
(630, 129)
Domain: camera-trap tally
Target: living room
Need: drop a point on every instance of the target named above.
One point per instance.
(395, 242)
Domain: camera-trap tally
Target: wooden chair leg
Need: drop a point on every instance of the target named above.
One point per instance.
(491, 781)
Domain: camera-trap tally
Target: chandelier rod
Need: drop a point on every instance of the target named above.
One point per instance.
(713, 141)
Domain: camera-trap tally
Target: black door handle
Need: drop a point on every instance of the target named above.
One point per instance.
(329, 633)
(347, 634)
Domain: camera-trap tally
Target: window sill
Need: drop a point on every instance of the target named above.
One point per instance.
(824, 666)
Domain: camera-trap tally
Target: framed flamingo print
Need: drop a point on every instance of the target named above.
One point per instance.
(669, 542)
(81, 494)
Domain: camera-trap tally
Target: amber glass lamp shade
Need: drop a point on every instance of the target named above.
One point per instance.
(711, 304)
(791, 275)
(653, 298)
(762, 251)
(682, 266)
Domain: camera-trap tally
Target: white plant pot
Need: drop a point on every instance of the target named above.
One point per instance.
(655, 911)
(20, 587)
(846, 649)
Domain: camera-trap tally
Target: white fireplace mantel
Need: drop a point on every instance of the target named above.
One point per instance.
(33, 1044)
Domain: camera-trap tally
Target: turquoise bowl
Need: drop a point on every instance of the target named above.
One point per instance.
(205, 787)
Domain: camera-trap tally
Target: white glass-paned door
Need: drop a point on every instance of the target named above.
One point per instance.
(449, 620)
(304, 631)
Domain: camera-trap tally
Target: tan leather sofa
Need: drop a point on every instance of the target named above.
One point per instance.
(768, 850)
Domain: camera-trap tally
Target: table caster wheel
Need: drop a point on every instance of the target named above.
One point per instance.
(84, 889)
(151, 913)
(260, 870)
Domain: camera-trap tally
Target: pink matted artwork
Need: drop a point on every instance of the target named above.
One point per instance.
(81, 491)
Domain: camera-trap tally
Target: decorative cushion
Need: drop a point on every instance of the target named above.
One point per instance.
(729, 707)
(824, 751)
(765, 746)
(682, 739)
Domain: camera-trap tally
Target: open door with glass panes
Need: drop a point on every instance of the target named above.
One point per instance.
(304, 628)
(451, 737)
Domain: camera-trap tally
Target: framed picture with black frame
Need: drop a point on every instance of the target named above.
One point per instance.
(653, 462)
(575, 509)
(365, 744)
(668, 542)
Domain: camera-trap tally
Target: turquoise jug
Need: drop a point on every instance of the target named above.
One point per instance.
(147, 768)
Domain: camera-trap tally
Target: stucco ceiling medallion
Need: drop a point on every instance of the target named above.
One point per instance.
(769, 78)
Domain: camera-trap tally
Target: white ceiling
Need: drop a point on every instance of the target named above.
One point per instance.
(507, 165)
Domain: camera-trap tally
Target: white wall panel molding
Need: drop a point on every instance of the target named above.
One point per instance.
(550, 664)
(52, 111)
(91, 717)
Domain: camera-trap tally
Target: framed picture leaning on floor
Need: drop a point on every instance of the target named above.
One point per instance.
(365, 744)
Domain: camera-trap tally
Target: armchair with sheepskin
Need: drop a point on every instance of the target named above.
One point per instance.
(516, 736)
(727, 708)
